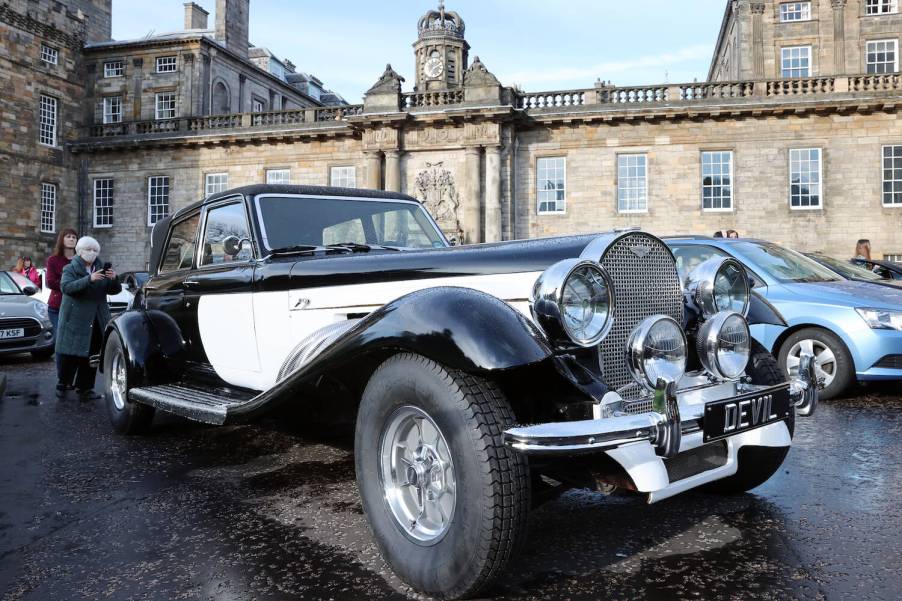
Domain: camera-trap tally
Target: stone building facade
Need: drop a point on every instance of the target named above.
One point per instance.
(813, 162)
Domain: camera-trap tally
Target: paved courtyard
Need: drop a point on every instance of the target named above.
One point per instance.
(269, 511)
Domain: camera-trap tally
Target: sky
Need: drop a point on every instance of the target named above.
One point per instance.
(539, 45)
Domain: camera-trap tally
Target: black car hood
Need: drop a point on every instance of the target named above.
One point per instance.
(386, 266)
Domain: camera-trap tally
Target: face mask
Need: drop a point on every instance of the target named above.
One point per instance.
(88, 256)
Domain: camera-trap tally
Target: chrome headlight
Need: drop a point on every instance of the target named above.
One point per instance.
(657, 350)
(720, 284)
(881, 319)
(724, 345)
(573, 302)
(40, 309)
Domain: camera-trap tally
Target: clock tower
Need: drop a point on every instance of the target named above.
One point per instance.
(441, 50)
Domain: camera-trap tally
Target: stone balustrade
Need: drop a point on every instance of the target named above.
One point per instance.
(687, 96)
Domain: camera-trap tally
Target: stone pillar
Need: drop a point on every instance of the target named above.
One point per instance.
(839, 36)
(393, 170)
(758, 40)
(242, 81)
(187, 109)
(493, 194)
(137, 88)
(373, 170)
(471, 213)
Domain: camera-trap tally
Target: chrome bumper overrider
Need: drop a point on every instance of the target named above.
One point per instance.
(662, 427)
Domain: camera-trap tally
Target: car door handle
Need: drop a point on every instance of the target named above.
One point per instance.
(190, 283)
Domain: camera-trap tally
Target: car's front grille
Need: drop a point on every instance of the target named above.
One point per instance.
(31, 326)
(890, 362)
(646, 283)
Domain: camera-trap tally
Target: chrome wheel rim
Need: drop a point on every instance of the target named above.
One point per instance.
(824, 360)
(118, 381)
(417, 475)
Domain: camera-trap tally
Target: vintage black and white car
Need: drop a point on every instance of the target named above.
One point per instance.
(483, 377)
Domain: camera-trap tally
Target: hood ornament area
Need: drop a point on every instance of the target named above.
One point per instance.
(640, 251)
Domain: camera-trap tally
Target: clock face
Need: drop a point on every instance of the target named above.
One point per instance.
(433, 67)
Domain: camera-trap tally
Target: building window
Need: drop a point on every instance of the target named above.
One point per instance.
(805, 178)
(717, 181)
(892, 176)
(215, 183)
(343, 177)
(795, 11)
(278, 176)
(112, 109)
(893, 258)
(103, 202)
(632, 183)
(882, 7)
(48, 208)
(157, 198)
(166, 105)
(50, 55)
(167, 64)
(551, 184)
(796, 61)
(882, 56)
(48, 110)
(257, 106)
(113, 69)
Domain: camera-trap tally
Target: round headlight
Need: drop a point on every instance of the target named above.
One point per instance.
(657, 350)
(573, 301)
(720, 284)
(724, 345)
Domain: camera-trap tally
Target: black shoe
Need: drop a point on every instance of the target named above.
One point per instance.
(87, 395)
(61, 390)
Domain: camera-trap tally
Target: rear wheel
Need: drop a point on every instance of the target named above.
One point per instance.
(446, 500)
(126, 416)
(757, 464)
(833, 365)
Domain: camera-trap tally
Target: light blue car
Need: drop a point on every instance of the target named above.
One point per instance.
(854, 329)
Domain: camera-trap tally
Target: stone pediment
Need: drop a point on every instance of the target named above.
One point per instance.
(477, 75)
(388, 83)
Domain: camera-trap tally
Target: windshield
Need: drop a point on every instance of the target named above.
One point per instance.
(7, 286)
(847, 270)
(784, 265)
(292, 221)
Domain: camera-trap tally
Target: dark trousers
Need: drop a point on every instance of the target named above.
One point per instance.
(54, 315)
(73, 368)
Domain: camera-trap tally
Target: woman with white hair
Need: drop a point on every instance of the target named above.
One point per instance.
(84, 313)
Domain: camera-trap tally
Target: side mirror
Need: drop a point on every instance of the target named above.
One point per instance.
(232, 245)
(453, 241)
(29, 290)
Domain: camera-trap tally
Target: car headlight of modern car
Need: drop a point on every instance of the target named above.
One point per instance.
(724, 345)
(720, 284)
(881, 319)
(40, 309)
(573, 302)
(657, 350)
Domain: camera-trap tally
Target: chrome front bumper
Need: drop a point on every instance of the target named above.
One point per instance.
(663, 427)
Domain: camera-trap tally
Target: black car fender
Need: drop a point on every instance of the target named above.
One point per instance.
(461, 328)
(149, 338)
(761, 311)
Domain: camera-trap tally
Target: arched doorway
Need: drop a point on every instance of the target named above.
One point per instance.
(222, 102)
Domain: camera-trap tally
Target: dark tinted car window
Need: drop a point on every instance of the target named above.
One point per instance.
(180, 249)
(223, 222)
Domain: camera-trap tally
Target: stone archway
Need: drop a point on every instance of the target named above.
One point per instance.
(222, 99)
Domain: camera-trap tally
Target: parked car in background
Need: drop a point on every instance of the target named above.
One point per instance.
(24, 324)
(118, 302)
(477, 373)
(854, 329)
(885, 269)
(851, 271)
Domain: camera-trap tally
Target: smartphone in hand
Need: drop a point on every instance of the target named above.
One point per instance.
(107, 267)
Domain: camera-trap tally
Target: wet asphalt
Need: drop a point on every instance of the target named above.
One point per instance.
(269, 511)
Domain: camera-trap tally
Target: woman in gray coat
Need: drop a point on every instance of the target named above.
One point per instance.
(84, 313)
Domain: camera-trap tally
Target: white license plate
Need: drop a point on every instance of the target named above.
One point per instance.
(13, 333)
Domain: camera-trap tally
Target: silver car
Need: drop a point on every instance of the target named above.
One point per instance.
(24, 324)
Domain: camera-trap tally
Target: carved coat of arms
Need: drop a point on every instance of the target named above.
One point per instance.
(435, 188)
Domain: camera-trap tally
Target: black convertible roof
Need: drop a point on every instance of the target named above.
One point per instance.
(161, 228)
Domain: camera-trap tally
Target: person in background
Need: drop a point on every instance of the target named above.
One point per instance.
(732, 234)
(84, 313)
(718, 234)
(863, 249)
(62, 254)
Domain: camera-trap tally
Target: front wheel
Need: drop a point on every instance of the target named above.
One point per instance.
(126, 416)
(833, 365)
(446, 500)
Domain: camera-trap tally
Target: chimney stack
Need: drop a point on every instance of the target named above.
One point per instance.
(195, 16)
(232, 25)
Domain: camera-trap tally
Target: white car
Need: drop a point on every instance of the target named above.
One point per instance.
(118, 302)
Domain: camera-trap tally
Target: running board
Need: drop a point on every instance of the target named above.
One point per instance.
(195, 404)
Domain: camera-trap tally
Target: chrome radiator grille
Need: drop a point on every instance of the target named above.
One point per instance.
(645, 283)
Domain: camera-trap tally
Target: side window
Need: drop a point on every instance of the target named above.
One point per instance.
(180, 248)
(347, 231)
(691, 256)
(222, 223)
(399, 228)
